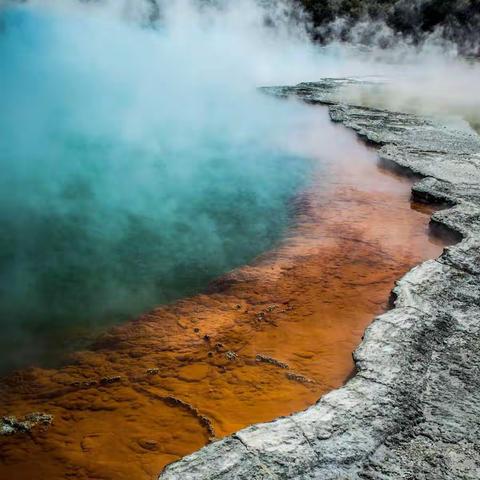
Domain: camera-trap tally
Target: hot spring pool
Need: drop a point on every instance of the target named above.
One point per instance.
(132, 174)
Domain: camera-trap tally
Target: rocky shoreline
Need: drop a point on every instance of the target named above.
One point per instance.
(412, 411)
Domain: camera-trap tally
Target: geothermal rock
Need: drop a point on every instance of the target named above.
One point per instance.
(413, 408)
(12, 425)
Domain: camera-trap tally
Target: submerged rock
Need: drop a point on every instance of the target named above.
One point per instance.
(272, 361)
(11, 425)
(413, 408)
(296, 377)
(232, 356)
(110, 380)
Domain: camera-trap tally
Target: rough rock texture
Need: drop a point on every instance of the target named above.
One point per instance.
(413, 409)
(11, 425)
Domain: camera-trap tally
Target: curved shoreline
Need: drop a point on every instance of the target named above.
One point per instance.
(412, 409)
(268, 339)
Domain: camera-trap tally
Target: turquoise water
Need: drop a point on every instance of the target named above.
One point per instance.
(132, 174)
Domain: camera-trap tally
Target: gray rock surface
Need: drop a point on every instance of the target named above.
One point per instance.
(413, 409)
(12, 425)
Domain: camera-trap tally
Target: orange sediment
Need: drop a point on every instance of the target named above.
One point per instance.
(266, 340)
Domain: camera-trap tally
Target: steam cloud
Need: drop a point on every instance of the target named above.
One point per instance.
(137, 163)
(138, 160)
